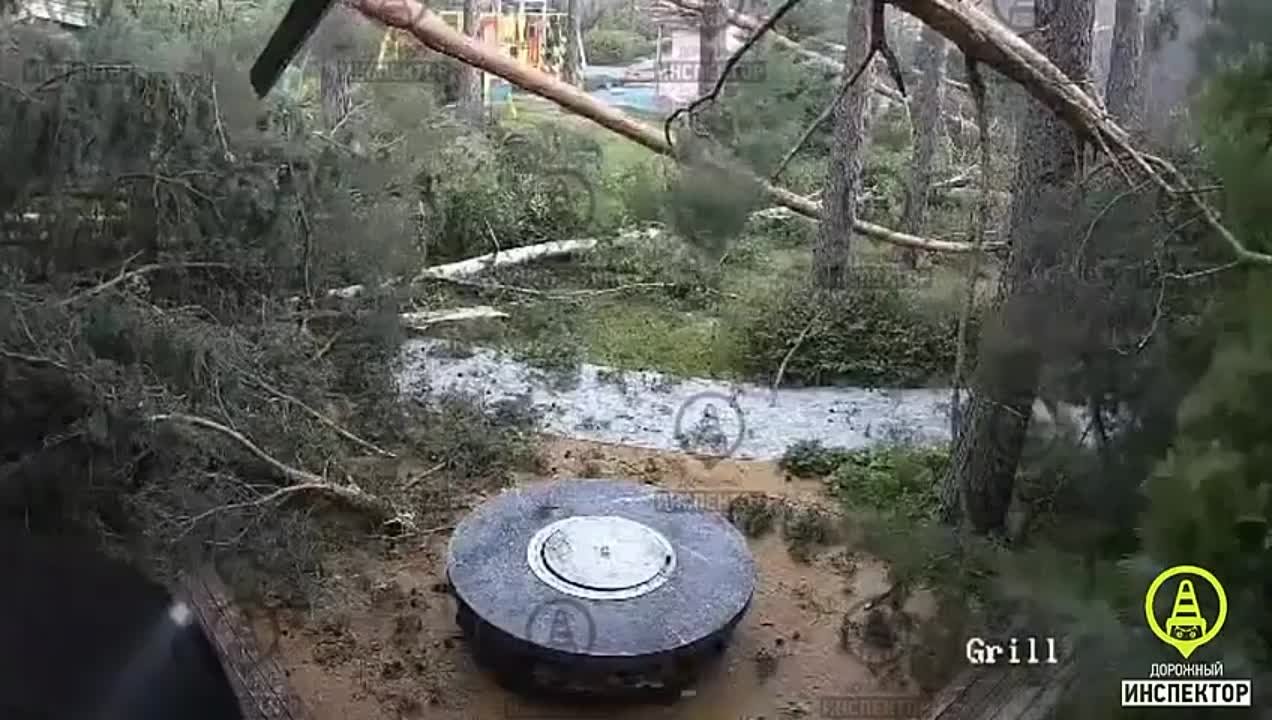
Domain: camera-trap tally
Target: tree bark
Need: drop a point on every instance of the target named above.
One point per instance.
(926, 113)
(1124, 94)
(832, 252)
(987, 452)
(712, 29)
(334, 47)
(570, 73)
(470, 77)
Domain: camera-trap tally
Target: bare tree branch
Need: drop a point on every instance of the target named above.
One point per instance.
(350, 495)
(987, 40)
(787, 6)
(129, 274)
(342, 432)
(434, 33)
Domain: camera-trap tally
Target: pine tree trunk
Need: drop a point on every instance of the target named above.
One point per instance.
(470, 80)
(571, 70)
(1124, 94)
(832, 252)
(1012, 345)
(712, 29)
(925, 109)
(334, 46)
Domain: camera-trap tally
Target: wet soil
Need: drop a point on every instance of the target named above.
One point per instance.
(384, 644)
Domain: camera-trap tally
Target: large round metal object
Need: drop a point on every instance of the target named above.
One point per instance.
(598, 587)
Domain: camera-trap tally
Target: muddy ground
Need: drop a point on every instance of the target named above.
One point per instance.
(384, 644)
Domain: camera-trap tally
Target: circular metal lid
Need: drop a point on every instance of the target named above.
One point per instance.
(601, 557)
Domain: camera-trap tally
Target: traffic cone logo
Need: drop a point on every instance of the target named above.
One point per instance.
(1186, 627)
(1186, 622)
(561, 634)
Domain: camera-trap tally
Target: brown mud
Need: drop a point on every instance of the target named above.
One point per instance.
(384, 643)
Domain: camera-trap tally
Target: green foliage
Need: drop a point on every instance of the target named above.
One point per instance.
(811, 459)
(872, 334)
(806, 529)
(528, 185)
(222, 221)
(615, 47)
(626, 16)
(894, 479)
(1209, 498)
(766, 108)
(891, 479)
(709, 206)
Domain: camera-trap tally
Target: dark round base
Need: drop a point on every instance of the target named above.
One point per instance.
(528, 671)
(598, 589)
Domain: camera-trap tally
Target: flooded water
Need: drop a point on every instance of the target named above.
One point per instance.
(662, 412)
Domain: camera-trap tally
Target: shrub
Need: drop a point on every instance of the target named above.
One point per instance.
(615, 47)
(870, 335)
(894, 480)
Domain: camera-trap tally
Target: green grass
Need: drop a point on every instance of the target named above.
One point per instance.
(645, 336)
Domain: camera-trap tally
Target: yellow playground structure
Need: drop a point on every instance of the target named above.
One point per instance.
(533, 31)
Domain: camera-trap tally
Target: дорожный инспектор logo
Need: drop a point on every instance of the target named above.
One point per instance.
(1185, 607)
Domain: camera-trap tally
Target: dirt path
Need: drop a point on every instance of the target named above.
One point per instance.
(390, 648)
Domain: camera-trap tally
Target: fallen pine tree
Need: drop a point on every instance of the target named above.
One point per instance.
(427, 27)
(982, 39)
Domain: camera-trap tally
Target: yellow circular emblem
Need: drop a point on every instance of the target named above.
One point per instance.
(1186, 628)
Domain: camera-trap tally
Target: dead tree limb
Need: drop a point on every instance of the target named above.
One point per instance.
(350, 495)
(434, 33)
(515, 256)
(821, 118)
(988, 41)
(125, 274)
(808, 132)
(426, 320)
(336, 427)
(753, 24)
(769, 22)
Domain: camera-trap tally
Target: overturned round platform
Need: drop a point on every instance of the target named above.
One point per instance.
(598, 587)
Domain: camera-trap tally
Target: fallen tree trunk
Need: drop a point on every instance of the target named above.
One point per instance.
(434, 33)
(987, 40)
(426, 320)
(514, 256)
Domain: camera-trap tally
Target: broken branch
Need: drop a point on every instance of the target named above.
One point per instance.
(143, 270)
(350, 496)
(692, 108)
(342, 432)
(435, 34)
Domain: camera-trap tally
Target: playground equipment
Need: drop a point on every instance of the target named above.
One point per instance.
(533, 31)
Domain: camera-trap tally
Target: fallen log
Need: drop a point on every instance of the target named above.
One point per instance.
(515, 256)
(433, 32)
(426, 320)
(987, 40)
(258, 679)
